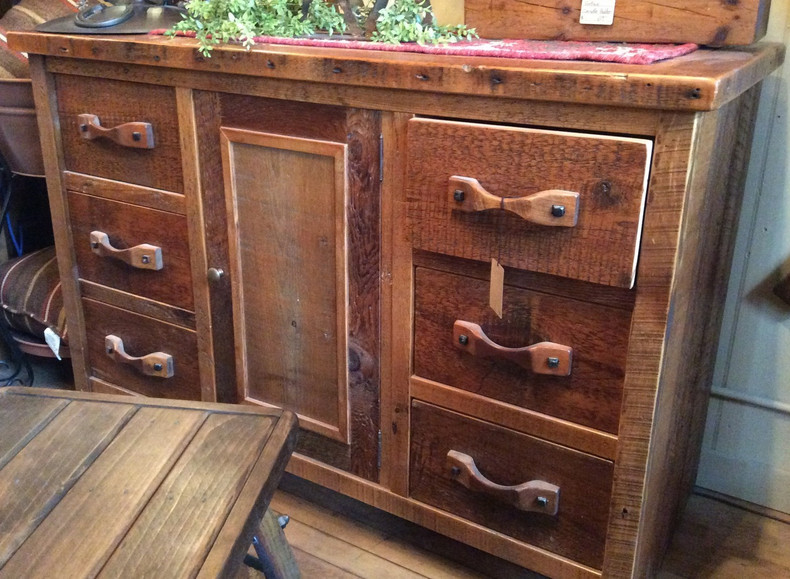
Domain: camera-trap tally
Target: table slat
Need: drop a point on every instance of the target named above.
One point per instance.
(80, 533)
(51, 462)
(177, 528)
(21, 417)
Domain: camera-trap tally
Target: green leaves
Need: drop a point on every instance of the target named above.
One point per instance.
(217, 21)
(412, 21)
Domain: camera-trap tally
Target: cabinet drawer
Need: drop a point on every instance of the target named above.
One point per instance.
(141, 336)
(130, 226)
(598, 336)
(506, 457)
(114, 104)
(517, 169)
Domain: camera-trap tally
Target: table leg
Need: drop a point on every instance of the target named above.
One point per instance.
(273, 550)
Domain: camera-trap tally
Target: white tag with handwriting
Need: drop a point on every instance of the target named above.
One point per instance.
(599, 12)
(53, 341)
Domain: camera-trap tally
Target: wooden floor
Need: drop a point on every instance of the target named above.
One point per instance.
(714, 540)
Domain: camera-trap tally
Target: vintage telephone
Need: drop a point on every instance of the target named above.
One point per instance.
(136, 17)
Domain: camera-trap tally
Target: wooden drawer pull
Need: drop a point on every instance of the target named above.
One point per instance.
(553, 207)
(542, 358)
(156, 364)
(137, 135)
(535, 496)
(143, 256)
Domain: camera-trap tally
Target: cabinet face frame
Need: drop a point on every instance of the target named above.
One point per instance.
(245, 347)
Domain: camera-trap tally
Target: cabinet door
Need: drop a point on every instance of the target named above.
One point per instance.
(301, 185)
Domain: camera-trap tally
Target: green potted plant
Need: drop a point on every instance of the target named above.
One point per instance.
(392, 21)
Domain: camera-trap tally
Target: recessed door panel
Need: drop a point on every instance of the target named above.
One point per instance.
(286, 198)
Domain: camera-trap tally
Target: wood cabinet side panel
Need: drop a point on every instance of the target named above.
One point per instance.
(672, 160)
(706, 244)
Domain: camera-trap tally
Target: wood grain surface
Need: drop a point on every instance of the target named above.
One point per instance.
(199, 119)
(591, 395)
(515, 123)
(116, 103)
(703, 80)
(609, 175)
(141, 335)
(509, 458)
(108, 485)
(708, 22)
(289, 240)
(355, 250)
(127, 226)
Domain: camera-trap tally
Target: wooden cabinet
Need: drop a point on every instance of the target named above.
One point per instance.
(328, 222)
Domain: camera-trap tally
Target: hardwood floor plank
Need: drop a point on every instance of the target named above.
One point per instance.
(422, 562)
(327, 521)
(722, 541)
(386, 546)
(343, 555)
(311, 566)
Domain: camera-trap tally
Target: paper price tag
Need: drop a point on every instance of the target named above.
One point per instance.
(597, 12)
(53, 341)
(497, 287)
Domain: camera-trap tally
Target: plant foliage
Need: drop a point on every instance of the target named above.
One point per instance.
(217, 21)
(412, 21)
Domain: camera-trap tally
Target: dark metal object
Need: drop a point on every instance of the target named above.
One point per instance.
(141, 18)
(558, 210)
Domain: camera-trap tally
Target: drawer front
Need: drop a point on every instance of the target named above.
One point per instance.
(130, 226)
(598, 336)
(115, 103)
(141, 336)
(515, 168)
(506, 457)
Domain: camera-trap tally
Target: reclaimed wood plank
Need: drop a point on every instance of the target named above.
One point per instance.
(20, 414)
(81, 532)
(177, 527)
(699, 81)
(49, 468)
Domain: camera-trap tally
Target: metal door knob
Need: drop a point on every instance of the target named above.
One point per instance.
(215, 274)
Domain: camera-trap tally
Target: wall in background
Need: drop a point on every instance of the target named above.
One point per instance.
(746, 451)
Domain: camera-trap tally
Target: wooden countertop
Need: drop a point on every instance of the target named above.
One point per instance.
(703, 80)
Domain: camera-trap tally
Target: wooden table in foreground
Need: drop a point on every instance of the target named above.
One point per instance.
(115, 486)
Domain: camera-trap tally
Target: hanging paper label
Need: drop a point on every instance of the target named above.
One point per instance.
(598, 12)
(53, 341)
(497, 287)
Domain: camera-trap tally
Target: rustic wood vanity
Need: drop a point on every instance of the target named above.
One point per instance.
(325, 230)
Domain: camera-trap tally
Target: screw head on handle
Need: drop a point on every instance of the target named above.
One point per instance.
(459, 195)
(558, 210)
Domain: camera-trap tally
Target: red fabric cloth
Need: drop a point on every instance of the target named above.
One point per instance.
(509, 48)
